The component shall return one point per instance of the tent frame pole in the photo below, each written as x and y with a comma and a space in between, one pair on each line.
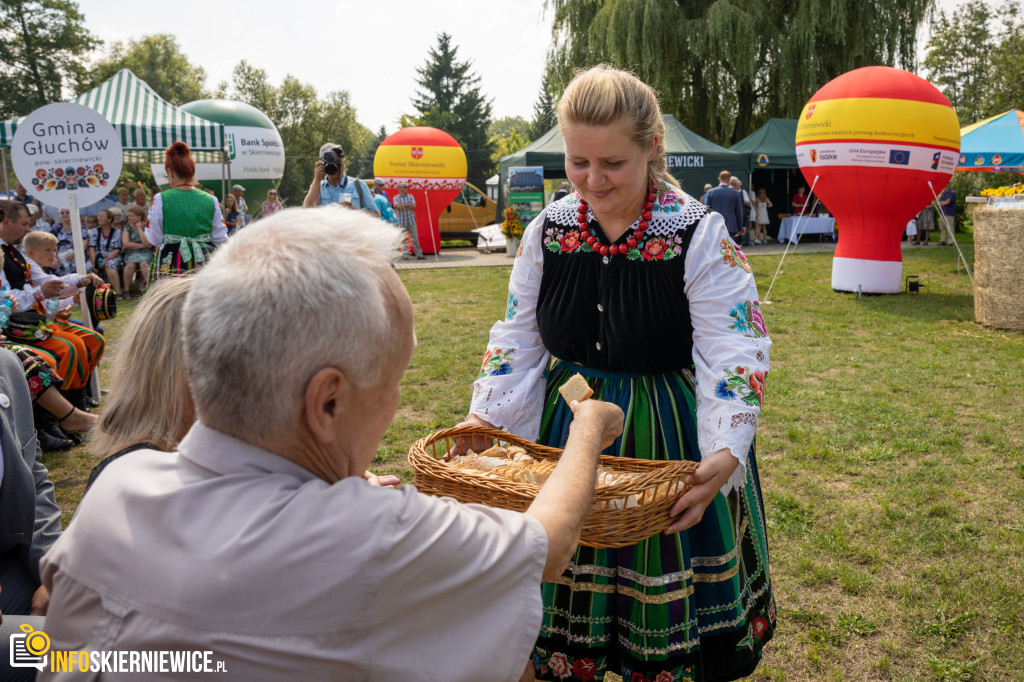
7, 180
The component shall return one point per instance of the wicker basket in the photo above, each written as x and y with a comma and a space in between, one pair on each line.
999, 267
605, 526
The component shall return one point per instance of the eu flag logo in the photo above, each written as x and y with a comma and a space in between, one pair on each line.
899, 157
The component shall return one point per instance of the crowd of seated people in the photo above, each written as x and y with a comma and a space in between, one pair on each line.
251, 489
57, 354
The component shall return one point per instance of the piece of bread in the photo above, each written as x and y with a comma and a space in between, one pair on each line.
575, 388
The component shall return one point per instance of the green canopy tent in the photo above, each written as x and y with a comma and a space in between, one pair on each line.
773, 145
771, 164
692, 160
147, 123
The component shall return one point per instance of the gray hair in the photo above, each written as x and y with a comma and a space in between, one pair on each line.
294, 293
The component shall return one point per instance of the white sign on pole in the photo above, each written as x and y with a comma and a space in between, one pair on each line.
66, 148
68, 156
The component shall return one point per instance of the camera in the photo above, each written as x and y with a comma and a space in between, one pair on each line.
332, 161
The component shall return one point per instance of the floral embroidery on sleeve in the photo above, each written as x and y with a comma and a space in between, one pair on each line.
748, 320
733, 256
510, 312
497, 362
743, 384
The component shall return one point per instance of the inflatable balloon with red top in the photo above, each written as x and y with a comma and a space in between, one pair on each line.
433, 164
876, 144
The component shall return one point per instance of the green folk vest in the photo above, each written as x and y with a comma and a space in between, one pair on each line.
188, 212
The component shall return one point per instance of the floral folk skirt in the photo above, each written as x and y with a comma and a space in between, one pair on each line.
168, 261
694, 606
39, 366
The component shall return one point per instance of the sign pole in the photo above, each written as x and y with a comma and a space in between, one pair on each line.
83, 296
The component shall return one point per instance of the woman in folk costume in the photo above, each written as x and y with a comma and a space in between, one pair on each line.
638, 287
76, 349
185, 223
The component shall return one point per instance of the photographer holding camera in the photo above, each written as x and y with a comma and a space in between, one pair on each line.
332, 186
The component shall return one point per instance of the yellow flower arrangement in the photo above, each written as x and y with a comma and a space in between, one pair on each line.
511, 227
1005, 191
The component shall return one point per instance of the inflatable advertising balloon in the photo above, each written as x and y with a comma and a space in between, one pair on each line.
255, 146
433, 164
875, 143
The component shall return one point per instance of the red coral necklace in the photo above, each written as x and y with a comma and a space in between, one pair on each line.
638, 233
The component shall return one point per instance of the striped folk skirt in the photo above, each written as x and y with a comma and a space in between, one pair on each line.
694, 606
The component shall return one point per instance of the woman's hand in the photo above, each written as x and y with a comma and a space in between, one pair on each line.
711, 475
382, 481
463, 444
64, 313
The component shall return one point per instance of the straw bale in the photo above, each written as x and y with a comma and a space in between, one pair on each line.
999, 267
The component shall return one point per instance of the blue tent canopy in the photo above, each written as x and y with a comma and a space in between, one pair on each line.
995, 144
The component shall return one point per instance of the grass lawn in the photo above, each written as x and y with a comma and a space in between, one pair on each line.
892, 454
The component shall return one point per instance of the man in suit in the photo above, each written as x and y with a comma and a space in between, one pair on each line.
727, 201
30, 516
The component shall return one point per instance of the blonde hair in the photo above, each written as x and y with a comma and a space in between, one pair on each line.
603, 95
149, 401
39, 240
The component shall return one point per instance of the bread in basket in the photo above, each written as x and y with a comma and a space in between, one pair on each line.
628, 509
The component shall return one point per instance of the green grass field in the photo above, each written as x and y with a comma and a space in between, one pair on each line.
892, 455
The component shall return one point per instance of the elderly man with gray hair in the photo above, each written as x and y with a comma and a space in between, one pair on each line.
264, 540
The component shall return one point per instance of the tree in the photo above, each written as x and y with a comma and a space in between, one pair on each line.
543, 109
362, 165
450, 99
957, 58
1007, 71
42, 45
975, 57
725, 67
304, 121
508, 135
157, 60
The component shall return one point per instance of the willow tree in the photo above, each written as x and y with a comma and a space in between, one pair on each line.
725, 67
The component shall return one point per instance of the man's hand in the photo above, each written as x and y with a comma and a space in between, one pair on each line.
318, 171
52, 288
382, 481
64, 313
40, 602
606, 416
92, 277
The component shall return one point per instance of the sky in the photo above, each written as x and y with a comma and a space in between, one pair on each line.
371, 49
